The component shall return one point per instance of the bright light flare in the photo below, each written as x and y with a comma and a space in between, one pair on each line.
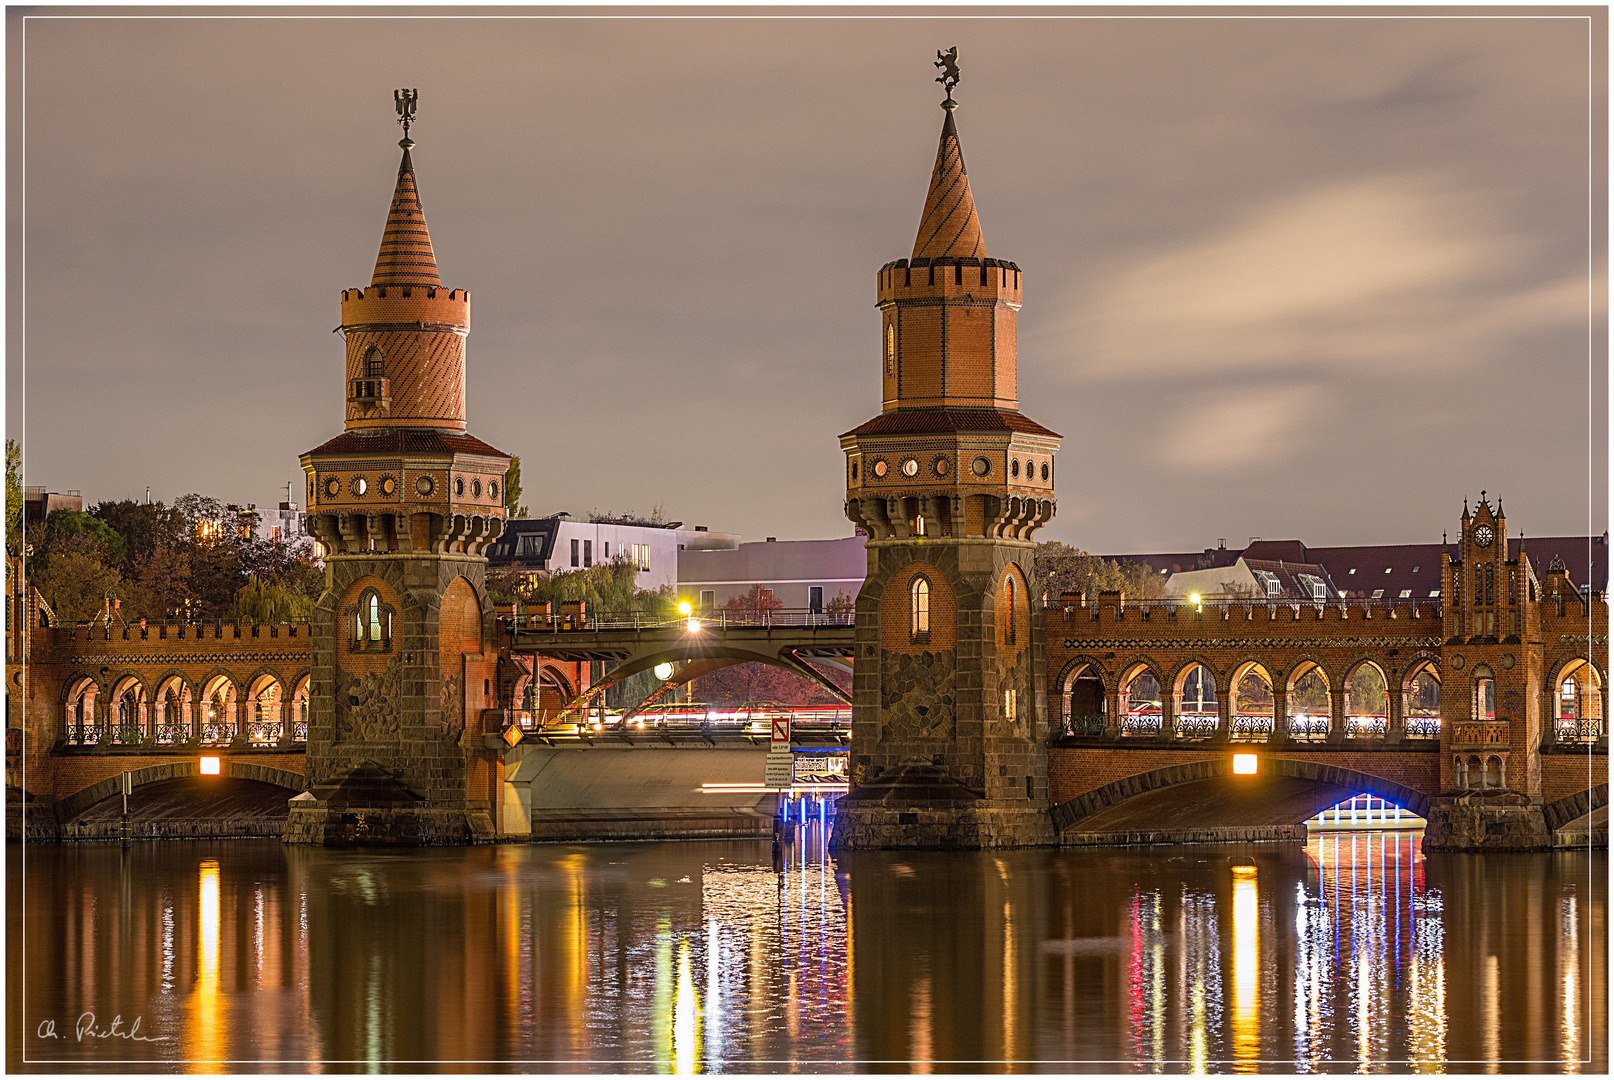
684, 608
663, 672
1193, 598
1244, 764
209, 766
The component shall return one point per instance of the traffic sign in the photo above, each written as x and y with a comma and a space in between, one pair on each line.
781, 731
779, 771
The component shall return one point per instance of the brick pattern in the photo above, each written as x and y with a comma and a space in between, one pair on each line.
949, 226
896, 614
406, 256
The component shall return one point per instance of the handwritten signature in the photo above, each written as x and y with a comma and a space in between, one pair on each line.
84, 1028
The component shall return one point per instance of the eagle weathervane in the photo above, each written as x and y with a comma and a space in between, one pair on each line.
948, 62
405, 100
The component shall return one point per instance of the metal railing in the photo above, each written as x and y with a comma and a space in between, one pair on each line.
649, 620
262, 731
1367, 727
1575, 729
1252, 727
1082, 725
259, 734
1181, 604
1423, 727
1310, 728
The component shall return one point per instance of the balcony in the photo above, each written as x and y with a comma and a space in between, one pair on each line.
1480, 735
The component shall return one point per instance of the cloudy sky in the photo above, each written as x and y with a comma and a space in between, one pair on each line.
1285, 276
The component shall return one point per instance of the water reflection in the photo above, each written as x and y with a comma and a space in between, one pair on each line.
1350, 952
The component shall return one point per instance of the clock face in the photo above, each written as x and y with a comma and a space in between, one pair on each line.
1483, 536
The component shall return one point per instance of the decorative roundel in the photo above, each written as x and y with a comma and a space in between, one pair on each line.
941, 466
388, 485
1014, 468
880, 468
333, 486
476, 489
360, 486
1045, 472
1508, 661
424, 485
459, 485
980, 466
493, 489
1484, 535
910, 467
1457, 662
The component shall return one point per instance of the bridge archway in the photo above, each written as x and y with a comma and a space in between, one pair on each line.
1575, 699
1081, 696
129, 705
1286, 792
1309, 695
1367, 700
1250, 700
75, 804
711, 656
1420, 699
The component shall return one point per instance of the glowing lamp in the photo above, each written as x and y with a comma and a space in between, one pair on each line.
663, 672
684, 609
1243, 764
1193, 598
693, 624
209, 766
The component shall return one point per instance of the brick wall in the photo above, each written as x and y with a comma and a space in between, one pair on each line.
1566, 774
896, 616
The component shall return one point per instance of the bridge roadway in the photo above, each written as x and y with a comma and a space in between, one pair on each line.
785, 639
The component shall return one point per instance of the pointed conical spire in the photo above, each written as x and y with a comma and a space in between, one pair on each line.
949, 226
406, 256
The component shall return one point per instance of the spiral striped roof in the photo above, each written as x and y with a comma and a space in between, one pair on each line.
406, 256
949, 226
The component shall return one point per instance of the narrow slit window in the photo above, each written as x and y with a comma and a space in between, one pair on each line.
919, 597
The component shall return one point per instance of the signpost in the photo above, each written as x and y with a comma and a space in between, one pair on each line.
779, 771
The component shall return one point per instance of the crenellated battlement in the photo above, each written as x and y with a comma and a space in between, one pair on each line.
426, 307
947, 277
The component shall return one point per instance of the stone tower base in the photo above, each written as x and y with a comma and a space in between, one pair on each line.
917, 805
1485, 821
371, 808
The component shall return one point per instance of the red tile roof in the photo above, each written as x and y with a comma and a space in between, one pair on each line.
409, 441
927, 421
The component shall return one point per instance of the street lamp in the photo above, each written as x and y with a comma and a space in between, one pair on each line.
664, 672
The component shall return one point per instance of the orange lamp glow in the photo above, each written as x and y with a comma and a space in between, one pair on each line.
1244, 764
209, 766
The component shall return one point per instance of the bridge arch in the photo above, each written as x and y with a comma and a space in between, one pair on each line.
1082, 690
703, 651
1562, 811
1073, 811
81, 800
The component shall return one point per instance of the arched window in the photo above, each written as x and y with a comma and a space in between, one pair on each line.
890, 350
919, 606
1493, 772
1490, 585
1008, 594
372, 364
372, 623
1484, 694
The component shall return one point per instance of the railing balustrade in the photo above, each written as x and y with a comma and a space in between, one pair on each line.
1197, 725
265, 731
299, 731
169, 734
1575, 729
128, 735
1310, 728
1367, 727
1252, 727
214, 734
1084, 724
1423, 727
1141, 725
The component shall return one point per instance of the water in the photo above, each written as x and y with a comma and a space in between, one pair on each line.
1353, 953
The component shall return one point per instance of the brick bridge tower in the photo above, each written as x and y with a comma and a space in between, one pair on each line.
1491, 723
404, 501
950, 481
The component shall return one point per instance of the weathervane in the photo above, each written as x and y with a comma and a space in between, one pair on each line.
948, 62
406, 100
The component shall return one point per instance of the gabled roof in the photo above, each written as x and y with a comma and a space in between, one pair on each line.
949, 226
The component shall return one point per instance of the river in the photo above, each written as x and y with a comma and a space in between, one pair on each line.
1350, 953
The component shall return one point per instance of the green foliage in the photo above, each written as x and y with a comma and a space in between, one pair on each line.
1061, 569
13, 497
74, 579
72, 530
260, 601
512, 489
611, 586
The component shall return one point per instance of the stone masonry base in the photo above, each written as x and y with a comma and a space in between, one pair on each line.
1503, 821
982, 825
328, 826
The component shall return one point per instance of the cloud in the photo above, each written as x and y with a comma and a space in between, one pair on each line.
1368, 273
1229, 428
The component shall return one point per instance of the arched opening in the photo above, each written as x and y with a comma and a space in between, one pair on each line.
1420, 698
174, 708
1009, 611
1252, 703
1364, 812
1474, 772
1493, 772
1578, 700
372, 623
299, 711
1459, 771
1367, 702
1483, 705
129, 711
919, 608
219, 721
1194, 698
265, 722
1140, 702
1310, 703
1083, 700
81, 725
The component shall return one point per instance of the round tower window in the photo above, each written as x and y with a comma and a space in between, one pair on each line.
880, 468
910, 467
1045, 471
493, 489
424, 485
459, 485
333, 487
388, 485
980, 466
476, 489
941, 466
1014, 468
360, 487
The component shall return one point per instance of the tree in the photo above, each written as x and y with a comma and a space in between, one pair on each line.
74, 572
70, 530
746, 684
512, 489
1059, 568
13, 497
753, 606
260, 601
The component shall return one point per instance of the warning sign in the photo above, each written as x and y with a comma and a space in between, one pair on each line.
779, 770
781, 731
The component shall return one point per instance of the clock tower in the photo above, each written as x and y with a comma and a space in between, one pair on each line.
950, 482
1491, 724
403, 503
